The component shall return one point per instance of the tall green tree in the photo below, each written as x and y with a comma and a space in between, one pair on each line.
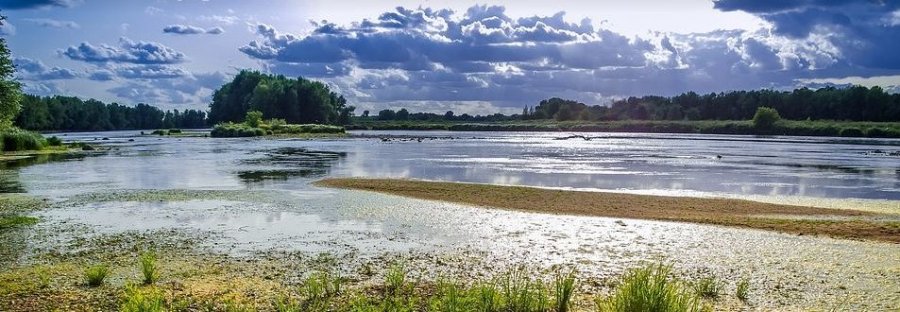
10, 90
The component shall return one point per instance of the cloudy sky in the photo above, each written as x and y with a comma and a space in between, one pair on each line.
435, 55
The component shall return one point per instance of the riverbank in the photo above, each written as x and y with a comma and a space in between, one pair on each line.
783, 127
838, 223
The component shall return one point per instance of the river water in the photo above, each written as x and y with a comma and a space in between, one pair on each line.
277, 209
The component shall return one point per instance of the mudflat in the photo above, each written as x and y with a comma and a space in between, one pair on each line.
801, 220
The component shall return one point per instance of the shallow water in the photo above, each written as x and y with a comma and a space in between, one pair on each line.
367, 225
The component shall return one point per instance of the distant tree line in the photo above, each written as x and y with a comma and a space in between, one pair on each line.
65, 113
855, 103
297, 101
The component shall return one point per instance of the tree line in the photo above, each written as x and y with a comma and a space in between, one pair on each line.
857, 103
66, 113
297, 101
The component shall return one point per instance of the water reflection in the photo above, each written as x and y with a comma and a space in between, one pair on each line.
286, 163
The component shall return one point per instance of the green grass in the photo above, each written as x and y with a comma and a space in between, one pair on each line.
15, 139
743, 290
650, 288
233, 130
96, 274
564, 286
148, 268
708, 287
140, 300
12, 221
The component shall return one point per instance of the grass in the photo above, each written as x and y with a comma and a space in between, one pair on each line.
149, 268
143, 300
718, 211
707, 287
650, 288
564, 287
12, 221
15, 139
96, 274
743, 290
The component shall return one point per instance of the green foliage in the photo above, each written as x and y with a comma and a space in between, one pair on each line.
54, 141
138, 300
96, 274
564, 289
707, 287
650, 289
765, 118
148, 267
15, 139
235, 130
851, 132
160, 132
743, 290
253, 118
174, 131
62, 113
11, 221
10, 90
298, 101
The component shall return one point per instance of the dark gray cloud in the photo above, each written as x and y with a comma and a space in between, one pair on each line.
191, 30
34, 4
128, 51
483, 55
102, 75
865, 31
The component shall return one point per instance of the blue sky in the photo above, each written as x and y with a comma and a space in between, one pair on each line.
438, 55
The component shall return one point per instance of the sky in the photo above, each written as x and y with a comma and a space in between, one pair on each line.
470, 57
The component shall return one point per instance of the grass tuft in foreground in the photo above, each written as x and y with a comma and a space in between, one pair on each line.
651, 289
96, 274
149, 268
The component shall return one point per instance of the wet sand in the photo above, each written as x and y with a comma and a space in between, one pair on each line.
838, 223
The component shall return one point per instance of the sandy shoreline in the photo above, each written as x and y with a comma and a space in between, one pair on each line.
801, 220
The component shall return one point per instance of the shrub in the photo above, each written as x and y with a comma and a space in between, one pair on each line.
159, 132
253, 118
174, 131
141, 301
650, 289
851, 132
15, 139
95, 275
148, 267
233, 130
765, 118
54, 141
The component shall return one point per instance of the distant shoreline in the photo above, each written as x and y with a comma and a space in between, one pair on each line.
800, 220
736, 127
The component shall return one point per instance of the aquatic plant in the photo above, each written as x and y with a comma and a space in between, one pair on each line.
138, 300
649, 288
96, 274
54, 141
743, 289
148, 267
15, 139
564, 287
11, 221
707, 287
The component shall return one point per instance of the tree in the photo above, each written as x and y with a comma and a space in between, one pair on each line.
387, 114
10, 90
448, 115
402, 114
765, 118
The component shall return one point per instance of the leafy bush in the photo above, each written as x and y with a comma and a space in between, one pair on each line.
15, 139
159, 132
253, 119
233, 130
851, 132
95, 275
54, 141
765, 118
